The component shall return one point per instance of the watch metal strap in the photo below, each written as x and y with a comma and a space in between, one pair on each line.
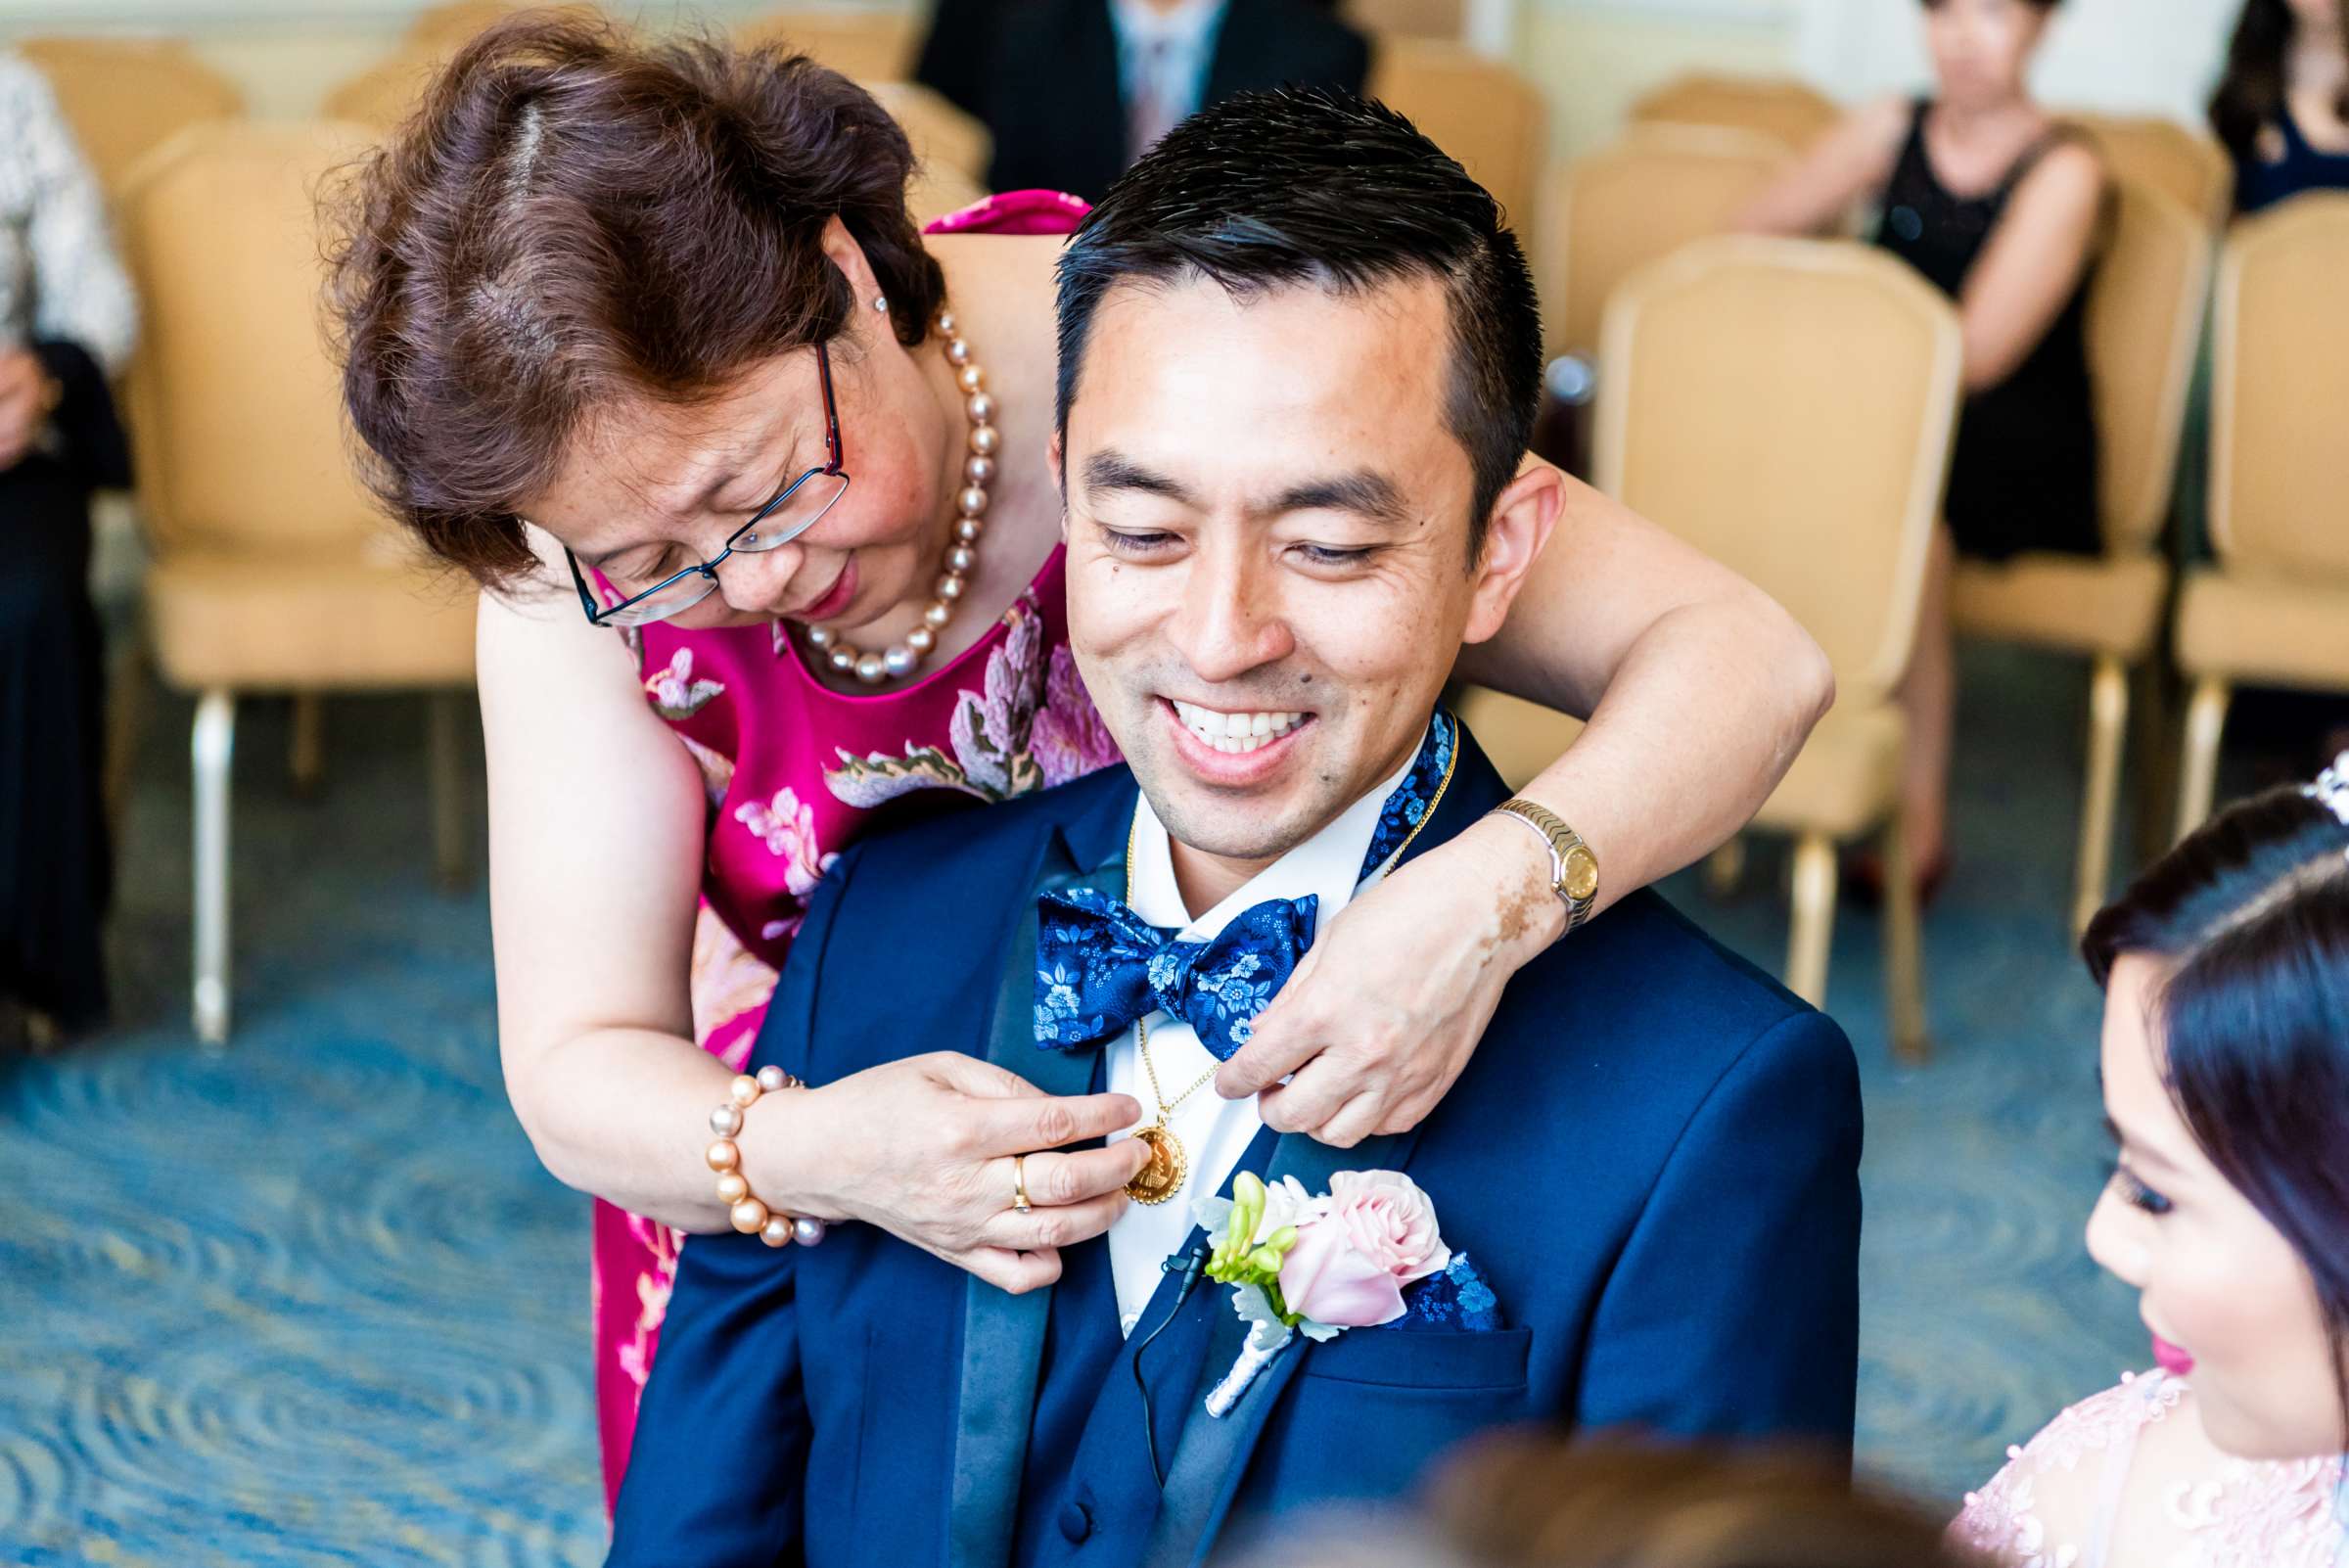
1574, 869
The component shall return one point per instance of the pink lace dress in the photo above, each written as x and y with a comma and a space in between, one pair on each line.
2095, 1490
792, 769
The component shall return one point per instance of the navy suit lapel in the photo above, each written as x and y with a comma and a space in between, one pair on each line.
1003, 1335
1212, 1458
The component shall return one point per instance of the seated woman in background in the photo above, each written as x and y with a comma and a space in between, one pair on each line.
2225, 1067
2281, 110
2000, 208
65, 324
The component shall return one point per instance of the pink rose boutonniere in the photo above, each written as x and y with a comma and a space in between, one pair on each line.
1299, 1263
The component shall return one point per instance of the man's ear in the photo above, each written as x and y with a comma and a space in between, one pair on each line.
1523, 517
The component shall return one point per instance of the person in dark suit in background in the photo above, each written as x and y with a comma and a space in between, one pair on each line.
1073, 91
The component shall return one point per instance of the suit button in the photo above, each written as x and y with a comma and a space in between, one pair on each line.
1077, 1523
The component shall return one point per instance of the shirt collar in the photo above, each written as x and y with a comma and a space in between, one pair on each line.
1327, 865
1185, 26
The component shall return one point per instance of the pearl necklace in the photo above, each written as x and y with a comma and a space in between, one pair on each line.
903, 659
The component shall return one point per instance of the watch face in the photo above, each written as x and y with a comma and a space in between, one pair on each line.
1581, 880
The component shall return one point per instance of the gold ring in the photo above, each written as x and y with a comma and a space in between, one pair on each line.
1019, 1183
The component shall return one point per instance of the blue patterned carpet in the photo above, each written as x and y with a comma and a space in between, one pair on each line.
312, 1301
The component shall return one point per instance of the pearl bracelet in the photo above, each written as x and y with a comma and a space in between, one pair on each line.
747, 1214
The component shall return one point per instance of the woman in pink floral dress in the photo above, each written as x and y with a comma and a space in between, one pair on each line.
2226, 1068
793, 564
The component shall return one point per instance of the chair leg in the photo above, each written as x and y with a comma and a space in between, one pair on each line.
2154, 708
1814, 924
125, 713
308, 762
2199, 766
444, 718
2107, 722
1725, 868
1904, 959
211, 746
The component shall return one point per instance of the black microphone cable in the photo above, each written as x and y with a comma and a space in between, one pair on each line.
1191, 1263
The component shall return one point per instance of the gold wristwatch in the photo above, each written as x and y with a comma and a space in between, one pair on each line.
1573, 869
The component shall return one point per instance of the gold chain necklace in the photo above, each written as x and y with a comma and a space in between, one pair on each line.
1170, 1161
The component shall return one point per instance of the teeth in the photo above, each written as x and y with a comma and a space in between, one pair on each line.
1236, 733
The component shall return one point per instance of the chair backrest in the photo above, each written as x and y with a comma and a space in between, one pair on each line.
381, 96
1769, 105
444, 29
868, 45
2279, 466
2144, 328
2182, 163
1787, 406
234, 398
1479, 111
1615, 211
1409, 19
126, 97
944, 137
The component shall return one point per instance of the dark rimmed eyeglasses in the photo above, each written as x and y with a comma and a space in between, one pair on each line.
796, 508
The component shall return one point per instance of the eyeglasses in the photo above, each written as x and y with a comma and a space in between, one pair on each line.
796, 508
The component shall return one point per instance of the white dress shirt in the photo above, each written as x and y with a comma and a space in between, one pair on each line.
1215, 1131
1164, 55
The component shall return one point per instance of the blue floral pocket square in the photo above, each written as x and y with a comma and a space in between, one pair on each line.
1456, 1301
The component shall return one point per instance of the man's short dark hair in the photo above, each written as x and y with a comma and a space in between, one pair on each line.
1272, 190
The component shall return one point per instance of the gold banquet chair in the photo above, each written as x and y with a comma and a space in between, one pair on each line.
2273, 608
1788, 407
384, 95
2180, 161
953, 147
1408, 19
2144, 326
126, 97
1481, 111
444, 29
868, 45
1616, 211
1785, 111
271, 571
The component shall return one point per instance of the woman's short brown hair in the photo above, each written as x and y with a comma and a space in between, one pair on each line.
573, 218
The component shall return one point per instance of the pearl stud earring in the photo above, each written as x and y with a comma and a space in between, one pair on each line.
882, 304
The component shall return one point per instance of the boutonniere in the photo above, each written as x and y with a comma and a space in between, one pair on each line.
1316, 1266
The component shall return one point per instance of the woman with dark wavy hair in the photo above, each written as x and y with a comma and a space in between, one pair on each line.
2282, 109
2226, 1065
790, 561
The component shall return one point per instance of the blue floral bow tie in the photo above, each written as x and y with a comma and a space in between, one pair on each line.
1099, 966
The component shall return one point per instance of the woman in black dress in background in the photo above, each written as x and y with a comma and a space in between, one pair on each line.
65, 324
2001, 209
2281, 107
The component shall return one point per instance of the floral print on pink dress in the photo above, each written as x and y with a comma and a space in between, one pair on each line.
675, 694
1030, 725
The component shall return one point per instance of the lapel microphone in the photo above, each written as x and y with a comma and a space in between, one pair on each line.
1191, 1265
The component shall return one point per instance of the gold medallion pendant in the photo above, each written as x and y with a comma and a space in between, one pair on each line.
1163, 1176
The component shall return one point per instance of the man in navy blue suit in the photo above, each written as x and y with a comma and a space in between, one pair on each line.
1299, 358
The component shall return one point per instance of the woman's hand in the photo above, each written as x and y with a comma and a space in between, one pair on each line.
1386, 1009
27, 396
924, 1149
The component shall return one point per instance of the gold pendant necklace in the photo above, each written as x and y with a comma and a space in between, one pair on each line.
1170, 1161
